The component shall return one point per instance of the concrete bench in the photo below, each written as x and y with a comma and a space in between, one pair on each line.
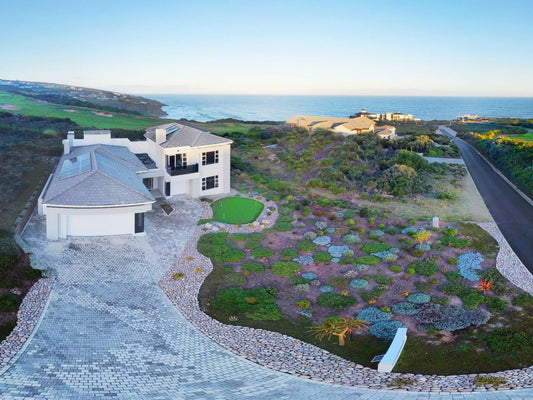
390, 358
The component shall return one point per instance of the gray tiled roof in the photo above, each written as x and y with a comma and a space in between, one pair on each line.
180, 135
112, 179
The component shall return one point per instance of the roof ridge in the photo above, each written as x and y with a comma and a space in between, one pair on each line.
123, 184
89, 173
114, 155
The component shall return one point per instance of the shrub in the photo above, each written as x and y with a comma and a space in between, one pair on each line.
373, 315
262, 252
440, 300
391, 230
425, 267
178, 275
404, 308
453, 276
285, 268
321, 225
309, 236
455, 242
375, 247
303, 304
489, 380
257, 236
491, 274
507, 341
372, 294
30, 273
416, 252
234, 279
462, 321
306, 245
288, 254
452, 261
351, 239
302, 287
364, 212
349, 214
472, 299
335, 301
418, 298
9, 252
449, 231
495, 304
9, 302
383, 279
283, 226
410, 271
358, 283
339, 282
214, 238
239, 237
385, 330
395, 268
322, 257
454, 289
240, 301
232, 256
524, 300
368, 260
253, 267
252, 244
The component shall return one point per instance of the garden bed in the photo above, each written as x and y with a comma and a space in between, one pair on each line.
320, 262
236, 210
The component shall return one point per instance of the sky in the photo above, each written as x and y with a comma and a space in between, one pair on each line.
378, 47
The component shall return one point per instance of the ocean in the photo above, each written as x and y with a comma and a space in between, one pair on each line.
204, 108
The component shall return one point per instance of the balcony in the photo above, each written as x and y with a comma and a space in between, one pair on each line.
189, 169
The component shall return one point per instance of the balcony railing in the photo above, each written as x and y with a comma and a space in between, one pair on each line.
189, 169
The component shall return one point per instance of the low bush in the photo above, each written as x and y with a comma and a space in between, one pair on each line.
288, 254
306, 245
373, 315
285, 268
9, 302
351, 239
232, 256
9, 252
449, 231
372, 294
252, 244
454, 289
238, 301
303, 304
383, 279
494, 381
385, 330
453, 276
339, 282
368, 260
405, 308
335, 301
30, 274
452, 261
257, 236
455, 242
239, 237
253, 267
322, 257
262, 252
507, 341
283, 226
395, 268
491, 274
375, 247
234, 279
495, 304
419, 298
425, 267
472, 299
523, 300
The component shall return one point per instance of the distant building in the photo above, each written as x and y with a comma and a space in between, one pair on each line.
386, 131
388, 116
339, 125
469, 117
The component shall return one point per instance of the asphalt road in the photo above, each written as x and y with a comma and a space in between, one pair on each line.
510, 211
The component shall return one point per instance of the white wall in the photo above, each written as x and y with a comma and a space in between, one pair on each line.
99, 221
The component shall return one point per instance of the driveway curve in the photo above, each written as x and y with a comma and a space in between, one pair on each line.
110, 332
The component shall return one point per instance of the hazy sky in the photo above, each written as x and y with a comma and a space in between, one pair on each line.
395, 47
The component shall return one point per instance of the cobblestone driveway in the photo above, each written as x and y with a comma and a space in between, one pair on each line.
110, 332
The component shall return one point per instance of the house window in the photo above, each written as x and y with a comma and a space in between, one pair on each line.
210, 182
178, 161
210, 157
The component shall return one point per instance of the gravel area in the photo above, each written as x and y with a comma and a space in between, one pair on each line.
292, 356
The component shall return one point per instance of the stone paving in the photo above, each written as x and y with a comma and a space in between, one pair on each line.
110, 331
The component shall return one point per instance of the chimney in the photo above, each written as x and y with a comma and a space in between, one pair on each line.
69, 143
160, 136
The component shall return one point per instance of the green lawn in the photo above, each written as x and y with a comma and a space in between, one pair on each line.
236, 210
528, 137
84, 117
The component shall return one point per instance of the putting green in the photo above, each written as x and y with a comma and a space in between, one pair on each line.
236, 210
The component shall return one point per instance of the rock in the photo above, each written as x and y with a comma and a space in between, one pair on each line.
435, 222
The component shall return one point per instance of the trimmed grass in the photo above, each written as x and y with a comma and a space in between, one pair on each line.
84, 117
236, 210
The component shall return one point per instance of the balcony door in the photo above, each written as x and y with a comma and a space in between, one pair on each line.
177, 161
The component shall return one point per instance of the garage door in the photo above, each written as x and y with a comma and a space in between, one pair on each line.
100, 225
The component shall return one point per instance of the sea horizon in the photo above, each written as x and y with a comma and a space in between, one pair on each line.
279, 107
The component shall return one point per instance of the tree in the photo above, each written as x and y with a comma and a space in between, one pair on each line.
422, 237
336, 326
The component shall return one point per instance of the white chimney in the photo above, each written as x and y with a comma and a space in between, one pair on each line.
69, 143
160, 135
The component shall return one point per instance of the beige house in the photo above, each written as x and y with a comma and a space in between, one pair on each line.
345, 126
386, 131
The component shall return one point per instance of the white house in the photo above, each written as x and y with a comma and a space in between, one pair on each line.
103, 185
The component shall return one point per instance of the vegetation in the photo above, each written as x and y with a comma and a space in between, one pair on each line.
236, 210
340, 327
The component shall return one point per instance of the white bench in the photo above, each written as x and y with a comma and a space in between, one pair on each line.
390, 358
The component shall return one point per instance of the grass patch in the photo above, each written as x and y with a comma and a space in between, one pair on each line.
236, 210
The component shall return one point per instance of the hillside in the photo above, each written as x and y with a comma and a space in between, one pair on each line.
84, 97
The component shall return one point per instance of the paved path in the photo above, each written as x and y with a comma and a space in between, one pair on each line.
110, 332
510, 211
